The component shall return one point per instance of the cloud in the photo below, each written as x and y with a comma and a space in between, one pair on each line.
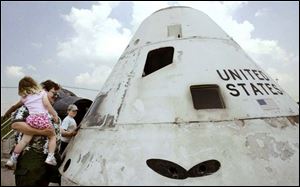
261, 12
15, 71
96, 78
98, 38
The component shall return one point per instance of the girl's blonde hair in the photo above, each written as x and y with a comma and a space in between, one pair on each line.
28, 86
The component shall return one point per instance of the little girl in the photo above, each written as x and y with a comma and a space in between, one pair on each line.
36, 100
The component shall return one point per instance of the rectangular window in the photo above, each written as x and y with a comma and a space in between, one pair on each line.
206, 96
157, 59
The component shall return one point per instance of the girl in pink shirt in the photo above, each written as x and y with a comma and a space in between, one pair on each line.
36, 100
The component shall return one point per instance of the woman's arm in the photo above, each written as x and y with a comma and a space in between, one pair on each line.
12, 109
26, 129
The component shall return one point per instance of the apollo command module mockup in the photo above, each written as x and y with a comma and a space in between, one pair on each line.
185, 105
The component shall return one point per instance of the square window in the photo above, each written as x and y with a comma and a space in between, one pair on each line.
206, 97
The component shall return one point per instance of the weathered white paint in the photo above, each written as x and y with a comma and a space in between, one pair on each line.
134, 119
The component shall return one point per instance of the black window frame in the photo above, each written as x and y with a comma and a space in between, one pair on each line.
207, 96
158, 59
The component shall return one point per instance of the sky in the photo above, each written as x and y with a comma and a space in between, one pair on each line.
77, 43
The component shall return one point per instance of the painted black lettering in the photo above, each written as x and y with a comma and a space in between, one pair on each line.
255, 89
279, 91
264, 75
243, 74
234, 74
261, 85
248, 70
270, 88
227, 77
257, 74
234, 92
243, 86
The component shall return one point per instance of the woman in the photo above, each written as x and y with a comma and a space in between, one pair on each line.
31, 168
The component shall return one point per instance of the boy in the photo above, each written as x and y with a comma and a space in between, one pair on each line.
68, 127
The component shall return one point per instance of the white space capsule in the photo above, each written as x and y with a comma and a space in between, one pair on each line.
185, 105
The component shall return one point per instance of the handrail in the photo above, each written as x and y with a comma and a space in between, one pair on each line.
5, 122
7, 134
6, 128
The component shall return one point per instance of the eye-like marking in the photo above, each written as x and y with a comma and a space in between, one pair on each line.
204, 168
167, 168
172, 170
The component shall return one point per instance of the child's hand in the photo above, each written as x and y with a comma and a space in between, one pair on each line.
56, 120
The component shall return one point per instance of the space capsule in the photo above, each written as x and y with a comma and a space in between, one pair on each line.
185, 105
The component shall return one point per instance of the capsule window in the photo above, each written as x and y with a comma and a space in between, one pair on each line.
206, 96
157, 59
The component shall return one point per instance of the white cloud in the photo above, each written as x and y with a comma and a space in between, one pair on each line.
261, 12
15, 71
98, 38
96, 78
